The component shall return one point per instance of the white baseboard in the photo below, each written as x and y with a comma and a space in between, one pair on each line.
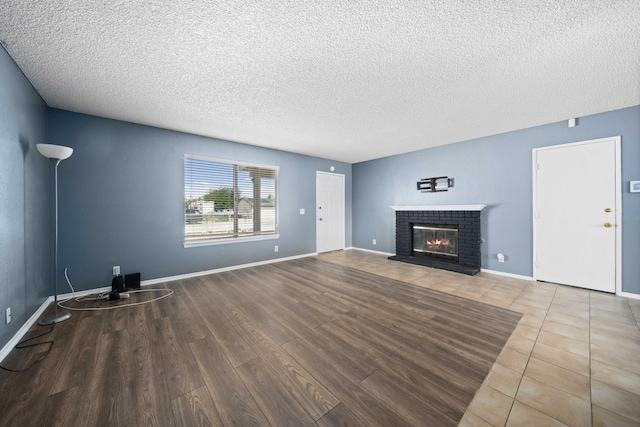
628, 295
502, 273
84, 293
516, 276
24, 329
183, 276
372, 251
220, 270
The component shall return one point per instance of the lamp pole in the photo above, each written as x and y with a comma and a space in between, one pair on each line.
55, 156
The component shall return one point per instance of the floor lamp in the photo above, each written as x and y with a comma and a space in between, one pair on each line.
56, 153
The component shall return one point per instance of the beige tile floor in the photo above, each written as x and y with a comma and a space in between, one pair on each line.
573, 359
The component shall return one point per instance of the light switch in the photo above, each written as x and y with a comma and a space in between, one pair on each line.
301, 211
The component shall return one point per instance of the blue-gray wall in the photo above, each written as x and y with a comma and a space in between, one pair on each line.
122, 200
495, 171
25, 252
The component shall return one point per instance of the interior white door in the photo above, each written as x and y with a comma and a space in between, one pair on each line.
575, 214
329, 211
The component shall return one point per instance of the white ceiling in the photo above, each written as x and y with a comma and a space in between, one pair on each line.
348, 80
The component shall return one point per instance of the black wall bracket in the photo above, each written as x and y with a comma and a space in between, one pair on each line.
432, 185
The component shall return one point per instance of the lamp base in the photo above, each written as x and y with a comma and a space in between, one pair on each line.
54, 318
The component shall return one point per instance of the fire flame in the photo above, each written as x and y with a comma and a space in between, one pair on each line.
438, 243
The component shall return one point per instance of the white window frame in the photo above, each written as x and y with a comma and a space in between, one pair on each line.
223, 240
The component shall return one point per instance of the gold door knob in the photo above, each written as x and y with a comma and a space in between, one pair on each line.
607, 210
607, 224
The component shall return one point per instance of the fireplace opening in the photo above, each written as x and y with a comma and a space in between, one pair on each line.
435, 240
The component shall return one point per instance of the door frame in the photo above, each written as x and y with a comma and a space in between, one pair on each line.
342, 214
618, 197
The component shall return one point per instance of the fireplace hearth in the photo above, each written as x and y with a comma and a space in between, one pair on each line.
446, 237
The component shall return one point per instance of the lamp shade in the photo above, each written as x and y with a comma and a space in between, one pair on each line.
55, 151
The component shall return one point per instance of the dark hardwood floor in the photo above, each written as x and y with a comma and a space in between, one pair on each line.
297, 343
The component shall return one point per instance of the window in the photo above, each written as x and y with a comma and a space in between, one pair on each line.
226, 201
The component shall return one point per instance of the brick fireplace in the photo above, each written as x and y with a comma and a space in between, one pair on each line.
439, 236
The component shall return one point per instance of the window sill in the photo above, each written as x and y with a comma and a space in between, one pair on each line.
228, 240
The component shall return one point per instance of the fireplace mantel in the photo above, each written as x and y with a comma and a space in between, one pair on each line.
440, 208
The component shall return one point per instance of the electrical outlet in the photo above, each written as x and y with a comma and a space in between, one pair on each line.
275, 248
116, 270
374, 241
8, 315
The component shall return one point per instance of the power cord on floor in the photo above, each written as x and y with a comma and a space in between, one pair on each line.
102, 296
105, 296
23, 344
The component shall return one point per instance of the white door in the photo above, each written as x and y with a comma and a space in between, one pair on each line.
329, 211
577, 214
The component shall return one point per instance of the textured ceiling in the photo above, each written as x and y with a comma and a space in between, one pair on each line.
346, 80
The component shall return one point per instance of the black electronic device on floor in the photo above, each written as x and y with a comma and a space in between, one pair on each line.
132, 281
117, 284
121, 284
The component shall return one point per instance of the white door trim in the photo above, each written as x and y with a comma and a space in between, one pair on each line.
618, 196
342, 215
